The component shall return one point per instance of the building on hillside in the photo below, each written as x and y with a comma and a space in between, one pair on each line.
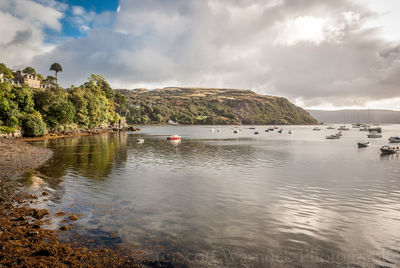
30, 79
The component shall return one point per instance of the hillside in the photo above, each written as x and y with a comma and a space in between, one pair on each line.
356, 116
210, 106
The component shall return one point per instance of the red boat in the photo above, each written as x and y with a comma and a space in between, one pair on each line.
174, 138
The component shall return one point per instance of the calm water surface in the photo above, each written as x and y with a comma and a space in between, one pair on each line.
220, 199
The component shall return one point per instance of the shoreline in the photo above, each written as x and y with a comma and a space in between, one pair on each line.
23, 240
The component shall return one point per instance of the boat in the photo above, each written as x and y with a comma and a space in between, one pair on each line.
140, 140
236, 131
389, 149
256, 133
339, 134
280, 131
276, 127
212, 130
394, 139
317, 129
376, 129
364, 128
174, 138
374, 134
170, 122
290, 131
356, 125
252, 127
330, 127
271, 129
267, 130
343, 128
333, 137
363, 144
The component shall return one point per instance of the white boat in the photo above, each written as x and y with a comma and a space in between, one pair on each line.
343, 128
364, 128
389, 149
374, 134
356, 125
363, 144
339, 134
330, 127
290, 131
394, 139
170, 122
317, 129
140, 140
212, 130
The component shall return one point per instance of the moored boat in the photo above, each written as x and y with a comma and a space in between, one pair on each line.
174, 138
375, 129
374, 134
363, 144
389, 149
290, 131
280, 131
317, 129
256, 133
343, 128
333, 137
140, 140
394, 139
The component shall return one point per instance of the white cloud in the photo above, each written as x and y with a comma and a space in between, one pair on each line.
311, 51
22, 24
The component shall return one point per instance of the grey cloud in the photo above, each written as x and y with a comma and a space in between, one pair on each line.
223, 43
21, 38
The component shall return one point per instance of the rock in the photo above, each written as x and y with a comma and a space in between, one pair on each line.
73, 217
32, 233
66, 228
43, 252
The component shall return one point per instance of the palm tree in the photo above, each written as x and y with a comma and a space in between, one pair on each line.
56, 67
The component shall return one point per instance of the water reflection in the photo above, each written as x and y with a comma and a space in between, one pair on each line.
232, 201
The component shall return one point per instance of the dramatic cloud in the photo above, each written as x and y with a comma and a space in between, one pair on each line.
314, 52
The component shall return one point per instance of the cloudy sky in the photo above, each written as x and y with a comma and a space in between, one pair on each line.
318, 53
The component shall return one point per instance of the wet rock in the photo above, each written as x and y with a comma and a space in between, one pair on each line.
36, 226
32, 233
73, 217
66, 228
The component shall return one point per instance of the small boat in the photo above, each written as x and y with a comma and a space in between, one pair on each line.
394, 139
389, 149
330, 127
356, 125
363, 144
140, 140
174, 138
212, 130
343, 128
280, 131
333, 137
375, 129
256, 133
236, 131
218, 130
290, 131
374, 134
252, 127
364, 128
267, 130
271, 129
276, 127
170, 122
317, 129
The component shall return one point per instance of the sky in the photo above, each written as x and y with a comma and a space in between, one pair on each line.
320, 54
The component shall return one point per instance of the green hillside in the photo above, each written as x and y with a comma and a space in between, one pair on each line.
210, 106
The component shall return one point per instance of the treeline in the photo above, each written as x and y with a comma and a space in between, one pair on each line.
54, 109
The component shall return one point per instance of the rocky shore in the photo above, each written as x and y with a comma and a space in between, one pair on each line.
23, 241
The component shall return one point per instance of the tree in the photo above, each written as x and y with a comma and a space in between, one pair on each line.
7, 74
29, 70
56, 67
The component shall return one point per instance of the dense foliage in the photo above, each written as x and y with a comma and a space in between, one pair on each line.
211, 106
35, 111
